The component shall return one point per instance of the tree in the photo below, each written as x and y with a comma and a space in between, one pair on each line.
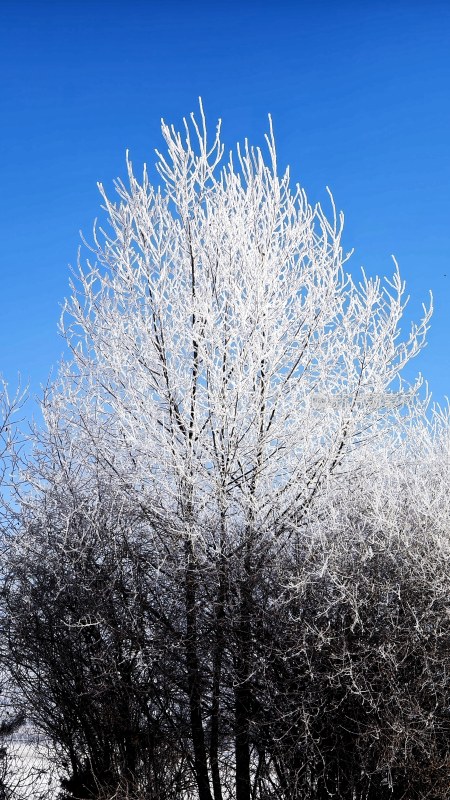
86, 651
353, 700
235, 384
349, 656
224, 362
10, 405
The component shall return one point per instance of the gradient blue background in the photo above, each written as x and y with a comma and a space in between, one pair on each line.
359, 94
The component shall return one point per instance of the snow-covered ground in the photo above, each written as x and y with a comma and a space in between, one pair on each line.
26, 768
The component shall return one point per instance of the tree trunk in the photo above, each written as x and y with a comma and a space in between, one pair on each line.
242, 692
217, 673
193, 679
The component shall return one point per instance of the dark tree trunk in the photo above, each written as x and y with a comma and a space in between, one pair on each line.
217, 673
242, 692
193, 679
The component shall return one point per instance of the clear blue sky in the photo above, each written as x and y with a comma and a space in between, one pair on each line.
360, 97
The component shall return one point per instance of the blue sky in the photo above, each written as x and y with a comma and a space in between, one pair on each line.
360, 98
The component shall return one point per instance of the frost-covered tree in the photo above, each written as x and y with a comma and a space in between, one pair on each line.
12, 717
347, 692
9, 406
353, 698
241, 390
224, 362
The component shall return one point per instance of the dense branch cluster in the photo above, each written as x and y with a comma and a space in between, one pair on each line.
229, 570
